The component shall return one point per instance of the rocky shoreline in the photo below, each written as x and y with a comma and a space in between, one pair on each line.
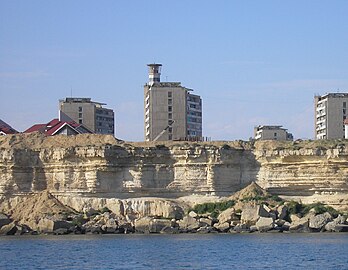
247, 211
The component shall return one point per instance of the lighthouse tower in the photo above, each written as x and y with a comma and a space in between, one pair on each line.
154, 73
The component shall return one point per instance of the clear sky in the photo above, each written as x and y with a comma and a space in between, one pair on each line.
253, 62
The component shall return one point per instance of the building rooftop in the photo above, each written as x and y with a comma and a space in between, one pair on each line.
270, 127
333, 95
6, 128
80, 100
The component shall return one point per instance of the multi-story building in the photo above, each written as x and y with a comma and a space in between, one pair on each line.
171, 111
330, 113
276, 133
89, 113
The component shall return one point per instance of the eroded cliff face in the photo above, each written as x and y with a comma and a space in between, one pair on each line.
100, 167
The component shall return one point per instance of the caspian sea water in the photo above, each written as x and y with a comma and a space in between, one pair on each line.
182, 251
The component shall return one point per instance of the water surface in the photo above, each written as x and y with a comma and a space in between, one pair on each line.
183, 251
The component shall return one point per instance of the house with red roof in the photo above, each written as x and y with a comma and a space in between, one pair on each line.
58, 127
6, 129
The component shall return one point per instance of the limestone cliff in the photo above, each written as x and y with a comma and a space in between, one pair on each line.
98, 166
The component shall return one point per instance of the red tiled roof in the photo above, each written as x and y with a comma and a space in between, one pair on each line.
6, 128
52, 127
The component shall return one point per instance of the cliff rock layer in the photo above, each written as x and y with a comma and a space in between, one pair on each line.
101, 167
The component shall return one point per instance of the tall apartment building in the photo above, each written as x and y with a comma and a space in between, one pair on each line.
89, 113
330, 113
171, 111
277, 133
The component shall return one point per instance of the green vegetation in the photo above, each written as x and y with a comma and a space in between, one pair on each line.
261, 198
303, 209
213, 208
104, 209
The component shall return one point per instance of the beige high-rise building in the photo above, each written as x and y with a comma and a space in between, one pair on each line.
171, 112
330, 113
89, 113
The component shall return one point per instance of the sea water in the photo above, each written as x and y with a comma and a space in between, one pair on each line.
182, 251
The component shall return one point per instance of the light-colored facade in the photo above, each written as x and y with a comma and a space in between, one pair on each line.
171, 112
330, 113
276, 133
89, 113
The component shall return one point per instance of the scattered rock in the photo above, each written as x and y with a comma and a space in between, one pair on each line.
317, 222
330, 226
4, 220
264, 224
156, 225
189, 223
250, 214
206, 222
228, 215
193, 214
282, 211
170, 230
222, 227
142, 225
9, 229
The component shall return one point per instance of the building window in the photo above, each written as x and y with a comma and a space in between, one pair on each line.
80, 115
80, 109
170, 115
275, 134
170, 137
170, 108
170, 130
170, 101
169, 94
344, 104
80, 121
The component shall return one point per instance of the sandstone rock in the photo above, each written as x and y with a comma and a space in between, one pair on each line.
222, 227
206, 221
193, 214
250, 214
294, 218
319, 221
205, 229
156, 225
253, 228
264, 224
4, 220
282, 211
49, 225
189, 223
60, 231
301, 225
241, 228
330, 226
142, 225
341, 228
170, 230
228, 215
9, 229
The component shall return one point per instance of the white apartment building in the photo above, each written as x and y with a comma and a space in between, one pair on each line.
276, 133
330, 114
171, 111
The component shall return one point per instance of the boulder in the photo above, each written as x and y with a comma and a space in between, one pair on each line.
9, 229
264, 224
330, 226
4, 220
250, 214
193, 214
170, 230
228, 215
60, 231
341, 228
156, 225
142, 225
317, 222
206, 221
189, 223
222, 227
241, 228
206, 229
282, 211
300, 224
49, 225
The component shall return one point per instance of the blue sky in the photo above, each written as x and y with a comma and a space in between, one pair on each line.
253, 62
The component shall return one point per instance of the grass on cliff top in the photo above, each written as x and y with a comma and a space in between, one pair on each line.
301, 144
